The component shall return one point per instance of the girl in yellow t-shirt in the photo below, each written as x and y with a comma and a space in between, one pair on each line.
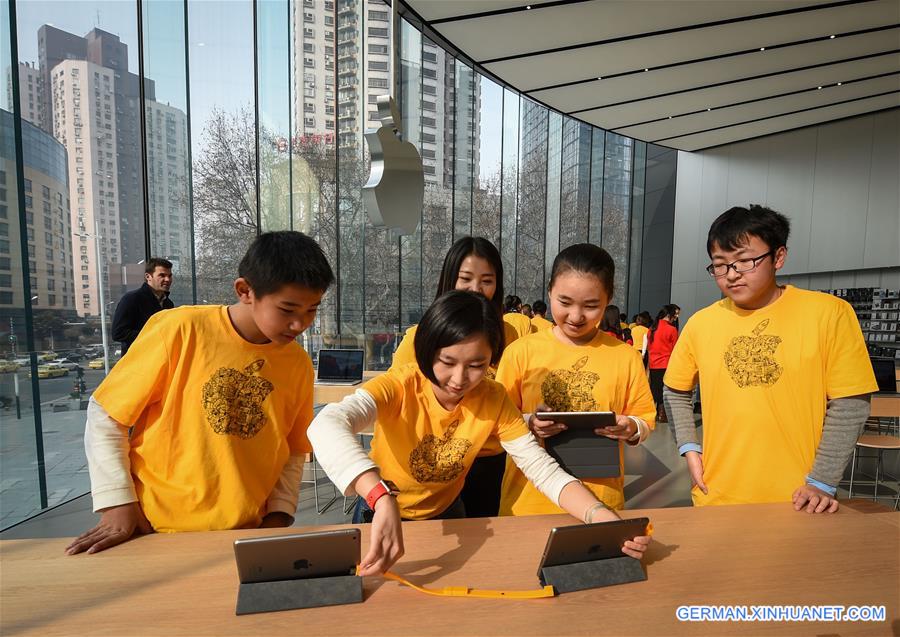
575, 366
433, 417
473, 264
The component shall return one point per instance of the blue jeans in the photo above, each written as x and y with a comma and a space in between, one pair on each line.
362, 514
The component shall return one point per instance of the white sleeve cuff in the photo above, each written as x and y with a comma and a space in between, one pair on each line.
106, 447
643, 431
287, 490
333, 437
537, 465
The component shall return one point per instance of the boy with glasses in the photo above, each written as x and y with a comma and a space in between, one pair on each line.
784, 373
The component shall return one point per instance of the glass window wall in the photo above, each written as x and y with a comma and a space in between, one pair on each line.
208, 122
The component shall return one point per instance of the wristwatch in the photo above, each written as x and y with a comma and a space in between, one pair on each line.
383, 487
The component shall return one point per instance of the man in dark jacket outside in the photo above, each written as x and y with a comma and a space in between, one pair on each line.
136, 307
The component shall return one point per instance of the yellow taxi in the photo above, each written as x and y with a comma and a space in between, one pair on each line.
51, 371
96, 363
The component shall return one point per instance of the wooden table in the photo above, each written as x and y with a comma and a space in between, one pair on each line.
186, 584
324, 394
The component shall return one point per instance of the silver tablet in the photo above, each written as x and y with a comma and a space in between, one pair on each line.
299, 556
589, 542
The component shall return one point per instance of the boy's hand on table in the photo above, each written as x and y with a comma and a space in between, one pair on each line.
814, 500
276, 519
695, 467
386, 540
117, 524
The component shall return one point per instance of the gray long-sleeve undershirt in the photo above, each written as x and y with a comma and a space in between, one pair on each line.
844, 420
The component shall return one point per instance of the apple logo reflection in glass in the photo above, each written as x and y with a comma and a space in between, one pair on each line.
439, 459
750, 360
395, 191
232, 400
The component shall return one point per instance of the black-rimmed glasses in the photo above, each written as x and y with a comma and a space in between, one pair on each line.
741, 265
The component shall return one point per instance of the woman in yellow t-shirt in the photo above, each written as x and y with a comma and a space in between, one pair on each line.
639, 332
433, 417
472, 264
576, 367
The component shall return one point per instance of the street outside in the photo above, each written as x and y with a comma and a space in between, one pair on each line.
62, 424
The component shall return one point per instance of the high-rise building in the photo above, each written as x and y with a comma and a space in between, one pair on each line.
108, 51
83, 105
167, 178
31, 92
363, 73
47, 222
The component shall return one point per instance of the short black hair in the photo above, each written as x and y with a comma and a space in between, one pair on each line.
586, 258
539, 307
156, 262
452, 318
512, 303
465, 247
286, 257
735, 226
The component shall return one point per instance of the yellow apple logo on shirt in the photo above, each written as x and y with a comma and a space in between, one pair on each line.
570, 389
439, 459
750, 360
232, 400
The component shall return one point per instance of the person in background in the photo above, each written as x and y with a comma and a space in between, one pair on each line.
527, 311
137, 306
612, 325
512, 316
433, 417
539, 320
623, 321
660, 342
785, 375
640, 331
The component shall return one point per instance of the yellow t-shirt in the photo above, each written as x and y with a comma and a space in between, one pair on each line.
425, 449
406, 354
765, 377
539, 323
520, 323
638, 334
215, 418
604, 375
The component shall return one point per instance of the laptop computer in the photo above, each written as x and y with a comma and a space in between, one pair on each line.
340, 366
885, 375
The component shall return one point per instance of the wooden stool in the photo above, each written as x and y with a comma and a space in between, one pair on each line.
879, 443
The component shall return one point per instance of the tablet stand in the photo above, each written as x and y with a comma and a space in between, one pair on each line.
265, 597
566, 578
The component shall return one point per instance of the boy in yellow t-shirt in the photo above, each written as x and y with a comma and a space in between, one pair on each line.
539, 320
784, 375
219, 399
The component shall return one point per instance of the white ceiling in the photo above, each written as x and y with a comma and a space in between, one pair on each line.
688, 74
